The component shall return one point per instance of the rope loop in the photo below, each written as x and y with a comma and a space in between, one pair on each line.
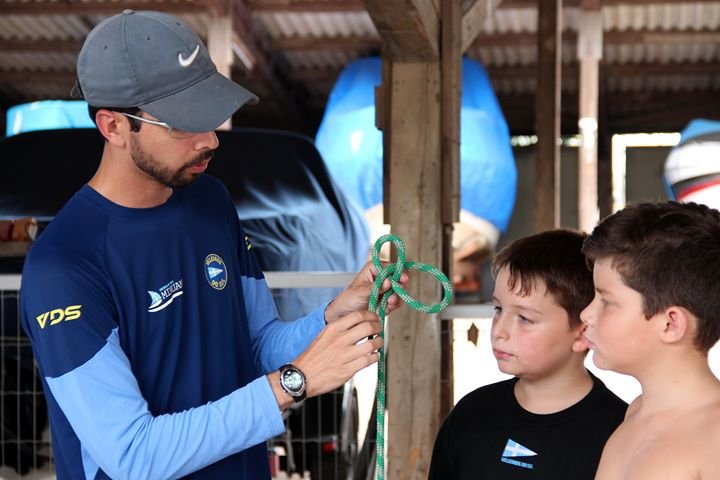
394, 272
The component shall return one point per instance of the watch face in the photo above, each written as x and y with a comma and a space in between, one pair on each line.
293, 380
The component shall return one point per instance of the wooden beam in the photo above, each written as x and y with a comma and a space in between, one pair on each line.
589, 53
665, 109
547, 118
612, 37
660, 117
409, 112
613, 71
40, 45
451, 88
603, 3
670, 37
329, 75
450, 91
251, 44
605, 197
356, 42
306, 6
298, 6
473, 20
569, 71
43, 77
652, 69
327, 43
219, 44
569, 38
412, 151
410, 29
649, 99
94, 7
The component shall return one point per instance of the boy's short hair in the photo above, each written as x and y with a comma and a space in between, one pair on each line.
669, 252
555, 257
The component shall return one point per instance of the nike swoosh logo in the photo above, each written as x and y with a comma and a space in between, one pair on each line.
186, 62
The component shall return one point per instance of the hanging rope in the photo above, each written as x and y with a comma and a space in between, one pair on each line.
394, 271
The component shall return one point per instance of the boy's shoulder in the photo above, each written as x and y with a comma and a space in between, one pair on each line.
487, 407
600, 399
681, 443
602, 396
488, 395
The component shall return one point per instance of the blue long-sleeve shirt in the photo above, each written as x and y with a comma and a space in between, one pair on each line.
153, 329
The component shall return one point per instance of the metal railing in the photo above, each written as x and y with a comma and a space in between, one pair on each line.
324, 437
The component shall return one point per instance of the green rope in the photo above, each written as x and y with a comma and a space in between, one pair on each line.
394, 271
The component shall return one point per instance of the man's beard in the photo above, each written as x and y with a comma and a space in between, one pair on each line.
173, 179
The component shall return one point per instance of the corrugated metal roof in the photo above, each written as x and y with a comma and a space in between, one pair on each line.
48, 27
318, 25
665, 16
321, 59
310, 47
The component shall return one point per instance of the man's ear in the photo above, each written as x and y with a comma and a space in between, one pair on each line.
580, 344
677, 323
111, 127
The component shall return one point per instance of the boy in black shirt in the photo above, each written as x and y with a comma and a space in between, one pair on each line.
552, 420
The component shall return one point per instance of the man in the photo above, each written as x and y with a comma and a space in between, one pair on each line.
154, 331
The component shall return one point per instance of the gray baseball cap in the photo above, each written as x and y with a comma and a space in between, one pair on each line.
154, 61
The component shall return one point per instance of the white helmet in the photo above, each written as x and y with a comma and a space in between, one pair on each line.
692, 170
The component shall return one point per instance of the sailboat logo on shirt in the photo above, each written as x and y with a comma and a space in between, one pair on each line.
165, 295
513, 450
215, 271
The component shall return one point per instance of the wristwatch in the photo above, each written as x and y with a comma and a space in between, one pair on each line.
292, 380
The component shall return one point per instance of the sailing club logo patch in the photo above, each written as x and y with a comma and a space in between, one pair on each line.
164, 296
215, 271
517, 454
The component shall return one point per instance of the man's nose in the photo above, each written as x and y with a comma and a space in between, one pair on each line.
206, 140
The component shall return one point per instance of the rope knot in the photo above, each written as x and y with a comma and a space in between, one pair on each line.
394, 272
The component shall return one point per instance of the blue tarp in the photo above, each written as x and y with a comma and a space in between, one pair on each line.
352, 146
698, 128
47, 115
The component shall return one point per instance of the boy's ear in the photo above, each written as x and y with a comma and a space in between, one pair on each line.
580, 344
677, 324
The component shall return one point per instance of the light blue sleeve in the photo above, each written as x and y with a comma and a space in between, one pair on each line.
276, 342
126, 441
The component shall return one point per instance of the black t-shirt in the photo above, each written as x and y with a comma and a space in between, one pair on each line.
488, 435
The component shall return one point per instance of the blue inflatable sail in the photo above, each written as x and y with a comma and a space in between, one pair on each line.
47, 115
352, 146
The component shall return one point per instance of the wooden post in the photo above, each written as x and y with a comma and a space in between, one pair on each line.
413, 353
220, 33
589, 54
605, 196
547, 117
451, 89
418, 108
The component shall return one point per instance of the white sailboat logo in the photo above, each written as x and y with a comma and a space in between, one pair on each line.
155, 299
214, 272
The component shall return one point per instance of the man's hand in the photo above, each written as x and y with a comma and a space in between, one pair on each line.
356, 296
336, 354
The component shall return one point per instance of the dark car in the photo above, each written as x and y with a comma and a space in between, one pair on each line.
296, 217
